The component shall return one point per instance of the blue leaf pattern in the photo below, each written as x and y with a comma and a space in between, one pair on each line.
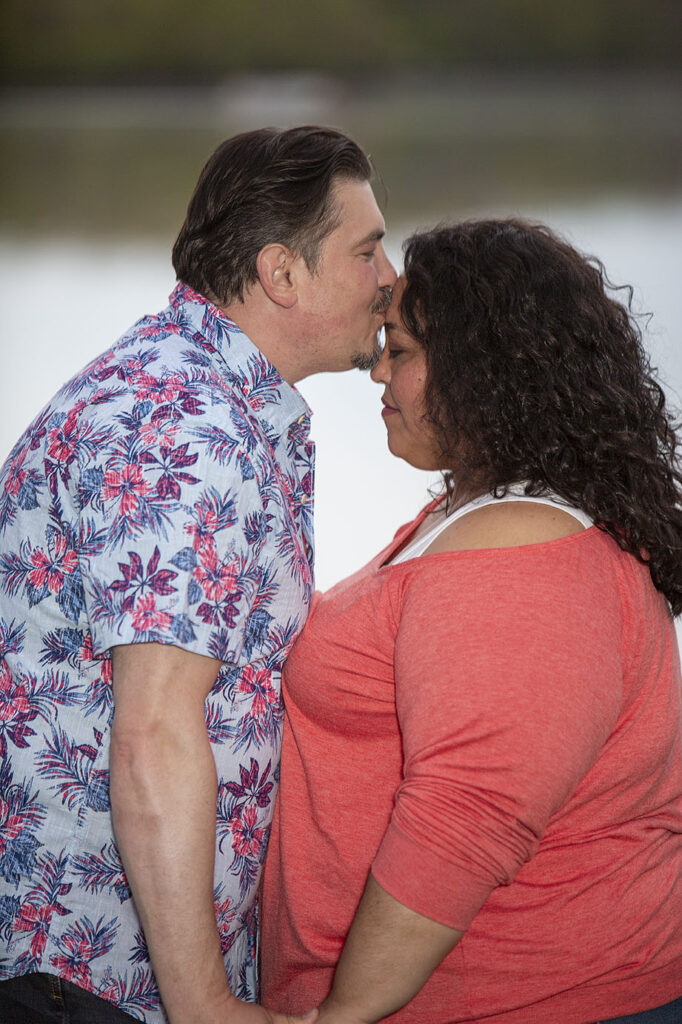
164, 494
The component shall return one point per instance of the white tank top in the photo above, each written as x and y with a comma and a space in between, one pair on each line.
514, 493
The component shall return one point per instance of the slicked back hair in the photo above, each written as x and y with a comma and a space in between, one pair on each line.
262, 187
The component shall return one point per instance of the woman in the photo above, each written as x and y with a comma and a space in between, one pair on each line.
483, 725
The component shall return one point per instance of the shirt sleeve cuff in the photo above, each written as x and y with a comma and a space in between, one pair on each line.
427, 883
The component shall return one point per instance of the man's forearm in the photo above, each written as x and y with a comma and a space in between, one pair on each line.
389, 954
163, 802
163, 795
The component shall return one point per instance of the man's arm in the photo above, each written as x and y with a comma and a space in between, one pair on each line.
163, 801
389, 954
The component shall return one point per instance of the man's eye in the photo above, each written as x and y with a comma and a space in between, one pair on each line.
369, 255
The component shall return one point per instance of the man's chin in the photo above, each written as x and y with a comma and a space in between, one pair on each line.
366, 360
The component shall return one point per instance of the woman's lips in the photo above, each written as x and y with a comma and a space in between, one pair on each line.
387, 410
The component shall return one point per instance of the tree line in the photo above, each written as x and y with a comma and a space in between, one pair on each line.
200, 41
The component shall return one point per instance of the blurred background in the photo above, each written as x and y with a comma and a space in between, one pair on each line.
570, 114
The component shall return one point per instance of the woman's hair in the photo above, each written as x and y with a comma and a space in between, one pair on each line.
536, 373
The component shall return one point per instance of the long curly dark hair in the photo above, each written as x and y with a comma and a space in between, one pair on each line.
536, 372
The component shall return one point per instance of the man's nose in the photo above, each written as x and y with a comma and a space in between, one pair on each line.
387, 274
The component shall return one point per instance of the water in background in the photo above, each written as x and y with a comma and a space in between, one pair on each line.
63, 301
97, 193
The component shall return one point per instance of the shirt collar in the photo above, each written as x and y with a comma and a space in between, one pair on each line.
274, 401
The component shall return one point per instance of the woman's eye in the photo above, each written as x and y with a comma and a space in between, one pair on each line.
393, 352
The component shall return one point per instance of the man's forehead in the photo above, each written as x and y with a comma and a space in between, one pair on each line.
358, 207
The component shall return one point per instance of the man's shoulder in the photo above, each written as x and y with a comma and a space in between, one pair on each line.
160, 368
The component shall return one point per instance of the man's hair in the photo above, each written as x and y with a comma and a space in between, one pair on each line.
260, 187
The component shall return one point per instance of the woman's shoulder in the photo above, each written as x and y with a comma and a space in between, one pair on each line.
507, 524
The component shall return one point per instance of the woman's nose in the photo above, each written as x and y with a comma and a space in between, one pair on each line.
381, 373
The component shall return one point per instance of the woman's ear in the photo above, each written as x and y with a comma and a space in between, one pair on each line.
276, 273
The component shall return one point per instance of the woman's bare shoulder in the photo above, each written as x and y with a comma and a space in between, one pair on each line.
506, 524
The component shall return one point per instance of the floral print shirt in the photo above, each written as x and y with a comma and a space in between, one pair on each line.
164, 495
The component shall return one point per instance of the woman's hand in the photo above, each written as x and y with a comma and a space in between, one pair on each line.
331, 1014
249, 1013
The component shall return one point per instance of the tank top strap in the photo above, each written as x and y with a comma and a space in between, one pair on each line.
515, 492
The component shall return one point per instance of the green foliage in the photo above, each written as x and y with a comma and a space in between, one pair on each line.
72, 41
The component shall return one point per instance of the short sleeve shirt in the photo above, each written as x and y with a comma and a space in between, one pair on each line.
164, 495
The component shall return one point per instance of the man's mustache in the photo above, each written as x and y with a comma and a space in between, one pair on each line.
383, 300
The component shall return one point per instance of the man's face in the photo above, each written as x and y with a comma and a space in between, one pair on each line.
342, 301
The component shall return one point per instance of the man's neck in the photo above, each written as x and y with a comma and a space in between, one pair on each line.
264, 329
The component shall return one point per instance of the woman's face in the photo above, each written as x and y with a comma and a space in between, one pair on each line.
402, 371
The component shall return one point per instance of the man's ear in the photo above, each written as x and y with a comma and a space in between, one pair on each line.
276, 267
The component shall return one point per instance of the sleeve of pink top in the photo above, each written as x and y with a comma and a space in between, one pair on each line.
508, 683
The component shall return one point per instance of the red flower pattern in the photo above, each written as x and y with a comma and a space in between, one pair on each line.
51, 569
14, 697
247, 836
203, 530
257, 683
218, 580
62, 440
147, 617
16, 475
159, 390
107, 535
129, 485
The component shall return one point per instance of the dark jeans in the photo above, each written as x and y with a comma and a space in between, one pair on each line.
46, 999
671, 1013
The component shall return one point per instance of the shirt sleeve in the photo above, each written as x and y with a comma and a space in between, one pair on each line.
170, 545
508, 683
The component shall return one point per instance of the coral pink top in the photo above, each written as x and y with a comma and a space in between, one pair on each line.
497, 735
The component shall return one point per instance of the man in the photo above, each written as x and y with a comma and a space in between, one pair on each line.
155, 569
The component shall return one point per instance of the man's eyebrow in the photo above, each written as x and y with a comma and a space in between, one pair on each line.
373, 236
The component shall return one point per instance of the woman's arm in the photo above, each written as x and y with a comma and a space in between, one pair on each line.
500, 719
389, 954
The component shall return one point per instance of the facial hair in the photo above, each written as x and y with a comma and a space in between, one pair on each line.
368, 360
383, 299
